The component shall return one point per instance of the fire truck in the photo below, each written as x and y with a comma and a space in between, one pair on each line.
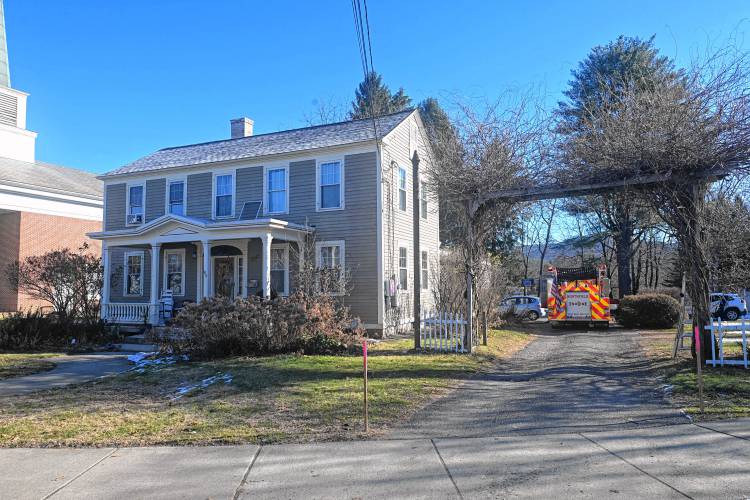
577, 295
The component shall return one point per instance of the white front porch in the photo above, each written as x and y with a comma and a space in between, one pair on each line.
193, 259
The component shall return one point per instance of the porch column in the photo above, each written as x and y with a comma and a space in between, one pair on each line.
106, 281
155, 254
245, 263
206, 268
266, 272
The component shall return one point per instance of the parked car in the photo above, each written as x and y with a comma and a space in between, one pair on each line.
735, 306
524, 306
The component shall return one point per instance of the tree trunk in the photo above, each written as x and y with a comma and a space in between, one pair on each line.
623, 250
691, 236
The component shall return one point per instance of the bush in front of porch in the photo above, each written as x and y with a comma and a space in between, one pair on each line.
219, 327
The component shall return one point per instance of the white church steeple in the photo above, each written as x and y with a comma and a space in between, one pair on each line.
15, 141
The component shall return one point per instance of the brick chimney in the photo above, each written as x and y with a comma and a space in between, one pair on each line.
241, 127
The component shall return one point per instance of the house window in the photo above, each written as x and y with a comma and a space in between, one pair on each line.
276, 190
330, 257
403, 270
280, 269
423, 199
135, 204
133, 273
330, 186
424, 265
224, 196
176, 197
174, 264
402, 189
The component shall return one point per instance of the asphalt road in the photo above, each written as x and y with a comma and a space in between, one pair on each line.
564, 381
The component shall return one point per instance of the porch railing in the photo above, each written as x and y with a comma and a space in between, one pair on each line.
127, 312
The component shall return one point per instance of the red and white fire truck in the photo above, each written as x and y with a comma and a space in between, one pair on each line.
576, 295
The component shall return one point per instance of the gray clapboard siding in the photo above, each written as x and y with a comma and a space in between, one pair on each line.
117, 289
356, 224
199, 195
249, 187
155, 198
114, 218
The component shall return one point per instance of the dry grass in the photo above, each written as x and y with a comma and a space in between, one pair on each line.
274, 399
19, 365
726, 390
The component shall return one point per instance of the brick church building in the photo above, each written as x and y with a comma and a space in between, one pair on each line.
43, 207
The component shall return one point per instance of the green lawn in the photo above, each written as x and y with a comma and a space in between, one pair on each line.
726, 390
19, 365
273, 399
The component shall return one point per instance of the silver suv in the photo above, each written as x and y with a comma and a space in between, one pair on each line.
735, 306
523, 306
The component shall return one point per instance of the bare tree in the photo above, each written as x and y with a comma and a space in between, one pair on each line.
488, 151
326, 111
687, 131
71, 282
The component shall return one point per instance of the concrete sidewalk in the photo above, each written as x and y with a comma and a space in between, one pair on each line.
677, 461
70, 369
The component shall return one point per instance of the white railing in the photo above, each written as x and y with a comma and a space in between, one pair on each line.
724, 332
127, 313
441, 331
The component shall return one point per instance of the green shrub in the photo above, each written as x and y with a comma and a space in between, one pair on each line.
650, 310
34, 329
220, 327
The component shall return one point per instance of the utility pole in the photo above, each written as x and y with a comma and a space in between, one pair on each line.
416, 244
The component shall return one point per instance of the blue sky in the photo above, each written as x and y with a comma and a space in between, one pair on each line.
112, 81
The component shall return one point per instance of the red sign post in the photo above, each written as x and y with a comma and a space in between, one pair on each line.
364, 365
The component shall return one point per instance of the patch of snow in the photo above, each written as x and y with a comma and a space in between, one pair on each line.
139, 356
219, 377
667, 388
143, 360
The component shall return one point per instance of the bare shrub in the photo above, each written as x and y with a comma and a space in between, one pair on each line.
220, 327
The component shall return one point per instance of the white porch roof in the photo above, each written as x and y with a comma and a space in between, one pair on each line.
177, 229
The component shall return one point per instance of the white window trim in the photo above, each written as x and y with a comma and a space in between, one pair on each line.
402, 244
285, 247
125, 273
181, 252
127, 202
342, 253
266, 169
424, 258
423, 201
405, 190
318, 200
216, 174
170, 181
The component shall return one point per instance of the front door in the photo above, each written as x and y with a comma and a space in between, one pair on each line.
225, 279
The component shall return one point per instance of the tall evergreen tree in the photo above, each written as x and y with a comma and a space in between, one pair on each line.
373, 98
626, 63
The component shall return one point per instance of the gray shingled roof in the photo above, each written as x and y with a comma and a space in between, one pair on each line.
288, 141
51, 178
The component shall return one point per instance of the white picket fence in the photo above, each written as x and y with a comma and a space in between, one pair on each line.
126, 312
725, 332
442, 331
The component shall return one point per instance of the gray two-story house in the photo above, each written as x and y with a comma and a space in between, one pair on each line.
232, 218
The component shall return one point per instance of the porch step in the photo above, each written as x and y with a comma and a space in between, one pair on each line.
137, 347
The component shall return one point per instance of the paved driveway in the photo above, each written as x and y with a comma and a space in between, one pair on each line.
73, 369
564, 381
